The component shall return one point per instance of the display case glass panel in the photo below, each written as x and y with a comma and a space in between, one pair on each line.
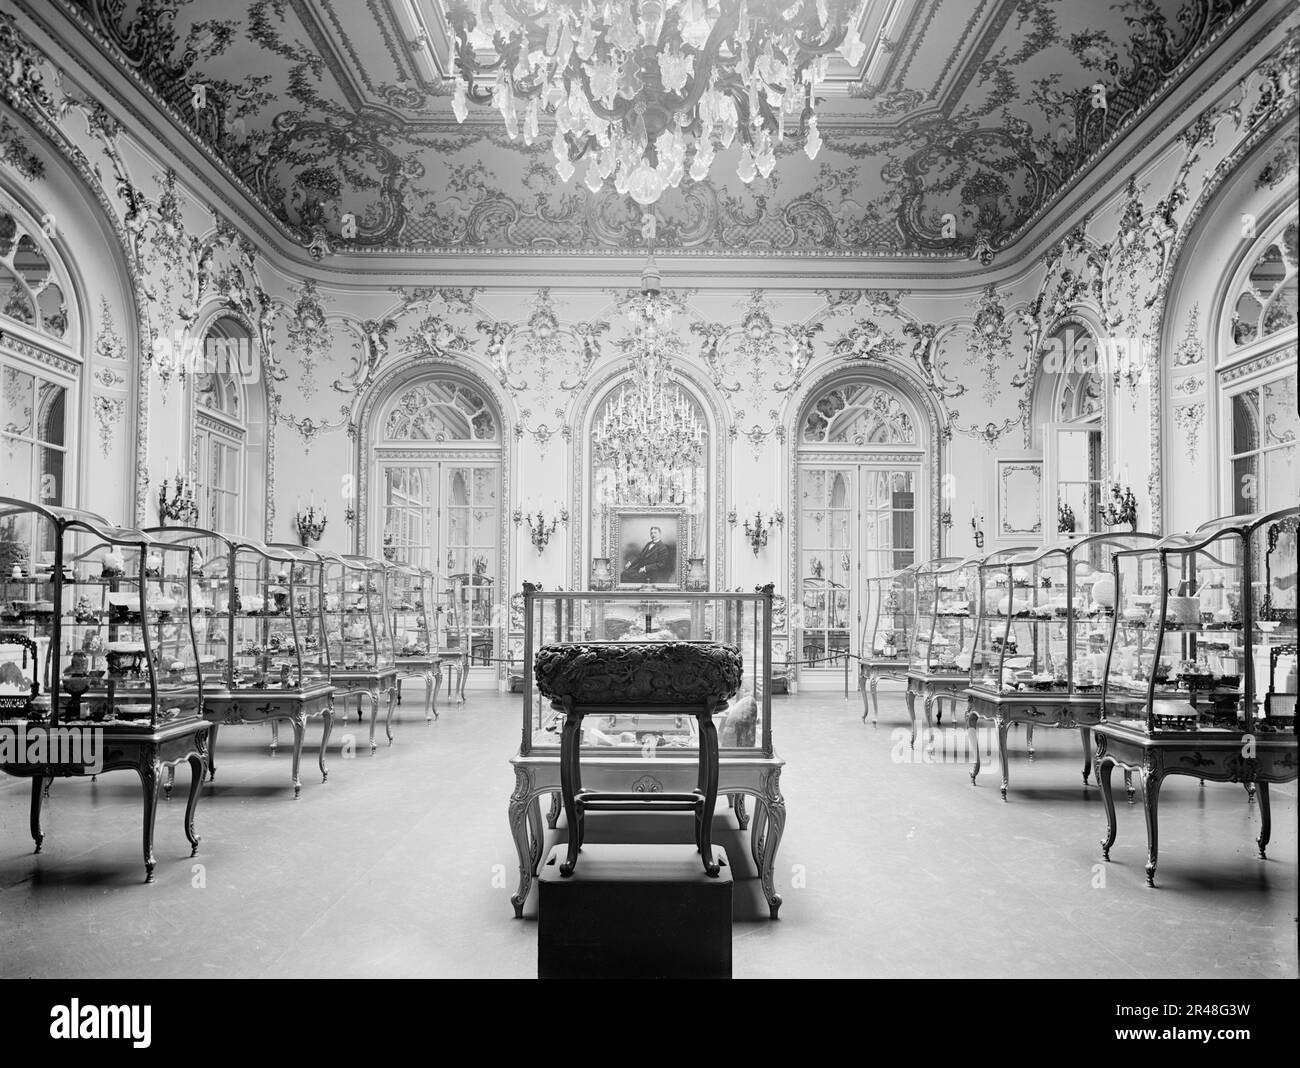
927, 602
413, 607
739, 619
95, 621
367, 635
470, 615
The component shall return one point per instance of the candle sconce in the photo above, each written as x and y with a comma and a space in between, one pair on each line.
757, 531
540, 528
977, 528
310, 524
1121, 508
179, 504
945, 520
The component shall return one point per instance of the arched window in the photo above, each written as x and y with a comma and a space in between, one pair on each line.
37, 393
1068, 398
860, 502
30, 289
440, 412
1256, 372
226, 447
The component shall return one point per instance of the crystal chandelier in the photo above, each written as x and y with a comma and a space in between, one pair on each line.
632, 84
649, 437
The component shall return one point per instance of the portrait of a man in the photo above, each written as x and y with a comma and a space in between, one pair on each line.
649, 551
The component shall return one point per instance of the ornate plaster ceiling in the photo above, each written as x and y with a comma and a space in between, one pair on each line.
964, 119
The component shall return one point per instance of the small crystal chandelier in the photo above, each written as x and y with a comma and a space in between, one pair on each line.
631, 84
650, 435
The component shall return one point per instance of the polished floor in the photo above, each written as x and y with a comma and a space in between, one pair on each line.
402, 865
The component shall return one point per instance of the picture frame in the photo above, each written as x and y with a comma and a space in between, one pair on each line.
637, 561
1020, 498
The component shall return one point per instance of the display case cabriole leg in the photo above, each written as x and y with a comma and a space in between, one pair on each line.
536, 835
1003, 763
430, 713
299, 724
150, 779
1150, 807
569, 742
875, 700
212, 752
775, 805
517, 811
327, 720
1104, 768
1265, 818
909, 699
738, 806
553, 816
196, 781
1085, 736
973, 739
38, 795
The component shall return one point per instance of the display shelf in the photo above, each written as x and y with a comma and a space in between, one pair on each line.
1175, 702
648, 752
1041, 639
887, 632
98, 655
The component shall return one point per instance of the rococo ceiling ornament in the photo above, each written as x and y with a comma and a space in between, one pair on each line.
631, 84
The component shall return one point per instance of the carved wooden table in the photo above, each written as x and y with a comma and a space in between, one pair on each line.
870, 672
758, 776
144, 750
934, 688
368, 684
1032, 709
296, 706
428, 668
1216, 755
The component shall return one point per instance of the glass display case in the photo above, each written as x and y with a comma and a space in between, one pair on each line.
1047, 618
650, 753
470, 618
358, 633
257, 612
887, 632
261, 634
412, 597
98, 658
95, 621
1199, 618
1200, 621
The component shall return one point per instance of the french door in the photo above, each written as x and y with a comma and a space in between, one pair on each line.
857, 520
445, 515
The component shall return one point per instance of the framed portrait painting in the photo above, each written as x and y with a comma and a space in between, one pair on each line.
646, 546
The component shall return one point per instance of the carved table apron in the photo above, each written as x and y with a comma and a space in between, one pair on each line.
870, 672
1049, 709
145, 751
428, 668
263, 706
759, 776
368, 684
1219, 756
934, 688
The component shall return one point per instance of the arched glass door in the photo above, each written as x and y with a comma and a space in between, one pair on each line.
859, 510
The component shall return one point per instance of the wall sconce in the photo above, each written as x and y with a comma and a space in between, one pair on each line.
180, 505
602, 574
349, 516
310, 524
697, 575
757, 532
1121, 508
977, 528
540, 528
945, 520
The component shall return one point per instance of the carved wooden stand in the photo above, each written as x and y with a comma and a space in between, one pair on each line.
145, 751
1064, 710
934, 689
428, 668
870, 672
369, 684
578, 801
272, 706
1219, 756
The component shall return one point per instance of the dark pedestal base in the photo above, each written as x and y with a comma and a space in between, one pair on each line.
634, 912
